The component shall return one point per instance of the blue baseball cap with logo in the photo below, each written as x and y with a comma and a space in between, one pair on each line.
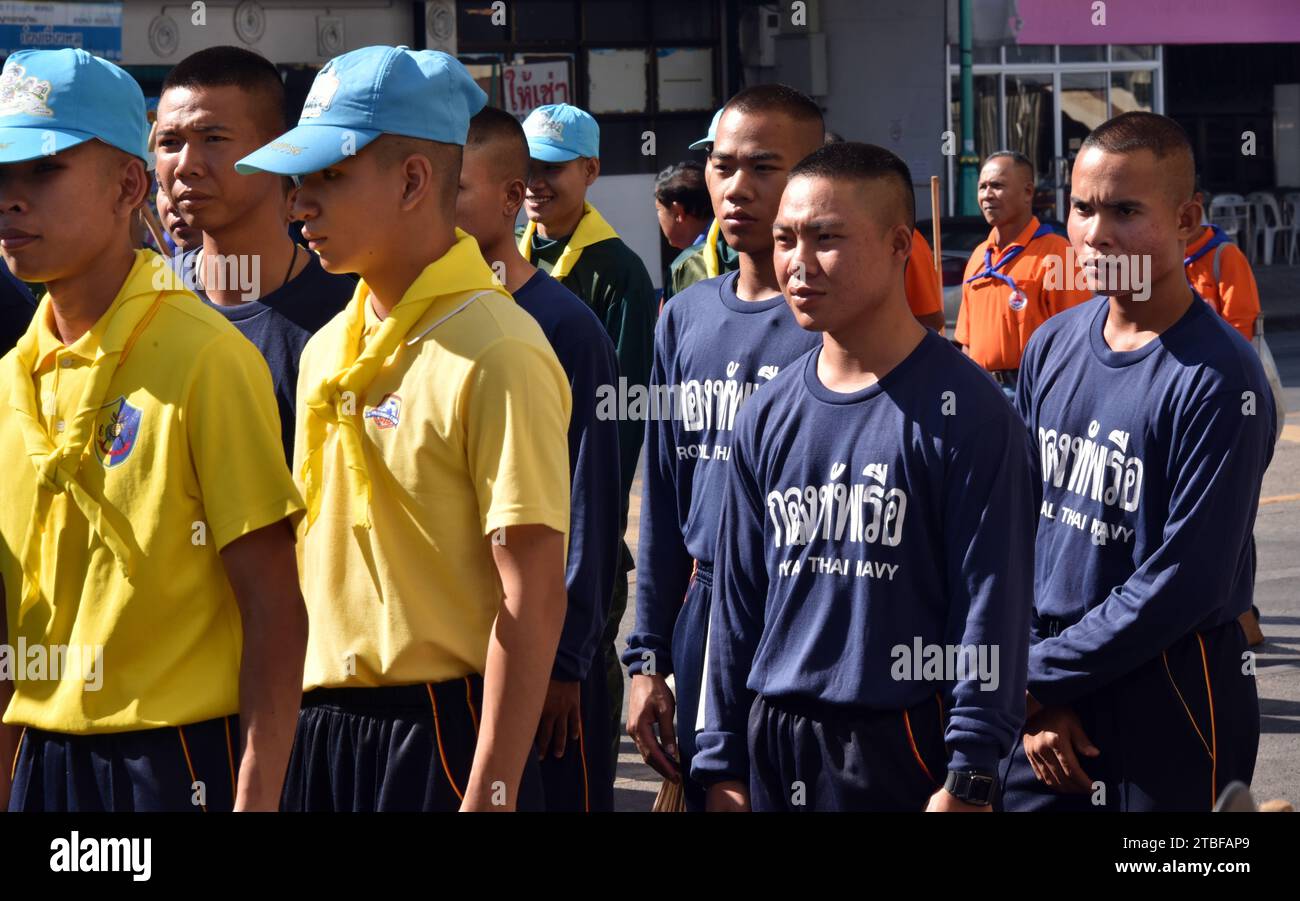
363, 94
51, 100
559, 132
712, 136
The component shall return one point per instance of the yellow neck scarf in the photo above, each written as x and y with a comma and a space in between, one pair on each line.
591, 229
121, 325
712, 267
335, 402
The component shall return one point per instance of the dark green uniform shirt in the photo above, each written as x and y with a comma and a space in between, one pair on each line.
613, 281
690, 266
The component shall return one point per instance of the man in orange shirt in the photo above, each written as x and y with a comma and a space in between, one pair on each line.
921, 283
1007, 292
1221, 274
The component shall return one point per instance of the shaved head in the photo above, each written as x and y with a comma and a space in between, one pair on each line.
1162, 137
499, 135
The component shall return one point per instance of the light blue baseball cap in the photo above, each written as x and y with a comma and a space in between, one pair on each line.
51, 100
363, 94
711, 136
559, 132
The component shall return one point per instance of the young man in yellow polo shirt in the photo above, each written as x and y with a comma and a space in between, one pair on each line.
432, 449
1008, 289
146, 545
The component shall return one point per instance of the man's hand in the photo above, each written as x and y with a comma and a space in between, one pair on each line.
1054, 738
727, 797
263, 572
944, 801
561, 718
649, 702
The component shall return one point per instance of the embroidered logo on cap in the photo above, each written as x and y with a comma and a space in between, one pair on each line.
21, 94
322, 94
546, 127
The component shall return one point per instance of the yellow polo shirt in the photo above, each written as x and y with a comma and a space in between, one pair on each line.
186, 458
464, 432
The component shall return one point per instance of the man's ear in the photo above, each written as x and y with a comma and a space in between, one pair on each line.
417, 173
515, 191
133, 184
1190, 214
591, 167
677, 211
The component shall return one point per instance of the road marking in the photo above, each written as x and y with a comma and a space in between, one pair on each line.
1279, 499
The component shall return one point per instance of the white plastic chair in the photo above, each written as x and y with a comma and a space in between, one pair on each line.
1291, 220
1231, 213
1268, 215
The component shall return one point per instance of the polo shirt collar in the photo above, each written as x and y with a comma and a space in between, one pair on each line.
139, 282
1022, 239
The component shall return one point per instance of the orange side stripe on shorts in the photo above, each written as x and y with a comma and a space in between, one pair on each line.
437, 733
1165, 657
189, 763
469, 702
1214, 738
230, 756
18, 750
582, 753
907, 722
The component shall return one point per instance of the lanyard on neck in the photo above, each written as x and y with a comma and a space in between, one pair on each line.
1217, 237
990, 270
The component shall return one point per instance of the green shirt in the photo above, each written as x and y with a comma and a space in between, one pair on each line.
613, 281
690, 266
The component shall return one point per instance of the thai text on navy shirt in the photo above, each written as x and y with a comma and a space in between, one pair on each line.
587, 354
865, 537
280, 323
712, 351
1150, 463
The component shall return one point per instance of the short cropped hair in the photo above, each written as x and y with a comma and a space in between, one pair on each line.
491, 125
1162, 136
854, 161
684, 183
223, 66
779, 98
1016, 157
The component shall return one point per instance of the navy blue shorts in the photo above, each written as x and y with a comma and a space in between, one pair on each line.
806, 756
1172, 733
582, 780
690, 639
399, 747
173, 768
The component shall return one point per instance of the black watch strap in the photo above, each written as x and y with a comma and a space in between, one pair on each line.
971, 786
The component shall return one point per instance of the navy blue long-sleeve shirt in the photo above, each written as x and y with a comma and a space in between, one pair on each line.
1150, 463
712, 351
587, 355
868, 535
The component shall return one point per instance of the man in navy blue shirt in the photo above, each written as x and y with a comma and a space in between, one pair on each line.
573, 737
722, 339
17, 306
217, 106
867, 648
1154, 424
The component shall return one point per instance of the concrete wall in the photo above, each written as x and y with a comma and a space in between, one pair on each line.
886, 80
289, 28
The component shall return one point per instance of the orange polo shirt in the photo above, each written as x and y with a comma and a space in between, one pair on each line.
994, 333
920, 280
1235, 296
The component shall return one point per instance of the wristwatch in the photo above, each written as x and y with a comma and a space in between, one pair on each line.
971, 786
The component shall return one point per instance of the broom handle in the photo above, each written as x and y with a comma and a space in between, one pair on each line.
934, 210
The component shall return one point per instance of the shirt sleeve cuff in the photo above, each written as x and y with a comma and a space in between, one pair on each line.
974, 756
